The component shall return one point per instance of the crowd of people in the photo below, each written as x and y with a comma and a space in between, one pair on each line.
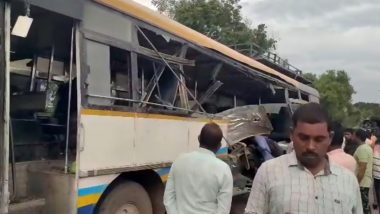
328, 169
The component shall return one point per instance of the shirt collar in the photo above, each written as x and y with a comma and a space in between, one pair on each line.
206, 151
293, 161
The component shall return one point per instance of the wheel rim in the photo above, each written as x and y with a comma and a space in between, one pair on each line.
128, 209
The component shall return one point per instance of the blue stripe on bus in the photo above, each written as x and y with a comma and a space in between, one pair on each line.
163, 171
92, 190
86, 210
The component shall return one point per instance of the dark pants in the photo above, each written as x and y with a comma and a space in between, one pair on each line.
377, 191
365, 199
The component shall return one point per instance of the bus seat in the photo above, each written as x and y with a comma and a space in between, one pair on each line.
28, 102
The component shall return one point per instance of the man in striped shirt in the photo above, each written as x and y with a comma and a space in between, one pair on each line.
304, 181
376, 165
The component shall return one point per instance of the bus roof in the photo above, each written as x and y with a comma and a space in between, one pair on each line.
147, 15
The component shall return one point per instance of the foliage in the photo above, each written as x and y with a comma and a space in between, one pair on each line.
336, 94
219, 19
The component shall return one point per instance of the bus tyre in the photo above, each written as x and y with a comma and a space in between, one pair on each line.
126, 198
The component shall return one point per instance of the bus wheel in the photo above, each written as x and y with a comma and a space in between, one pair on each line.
126, 198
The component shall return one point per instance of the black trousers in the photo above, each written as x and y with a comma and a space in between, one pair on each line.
377, 192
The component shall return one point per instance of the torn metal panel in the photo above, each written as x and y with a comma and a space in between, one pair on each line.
245, 122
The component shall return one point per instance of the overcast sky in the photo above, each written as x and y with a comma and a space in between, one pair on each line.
319, 35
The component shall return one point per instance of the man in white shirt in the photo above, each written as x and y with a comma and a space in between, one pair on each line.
199, 182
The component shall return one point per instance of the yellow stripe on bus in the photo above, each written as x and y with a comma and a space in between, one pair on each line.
88, 200
146, 115
164, 178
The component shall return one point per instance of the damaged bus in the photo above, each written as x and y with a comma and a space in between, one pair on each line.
98, 98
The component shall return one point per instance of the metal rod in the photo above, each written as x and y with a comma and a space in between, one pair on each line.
153, 82
156, 78
4, 197
288, 101
170, 68
13, 161
33, 73
69, 101
235, 102
175, 94
50, 66
209, 92
142, 83
144, 102
195, 89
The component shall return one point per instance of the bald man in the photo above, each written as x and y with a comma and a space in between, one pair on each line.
199, 182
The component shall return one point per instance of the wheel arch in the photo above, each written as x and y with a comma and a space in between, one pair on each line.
149, 179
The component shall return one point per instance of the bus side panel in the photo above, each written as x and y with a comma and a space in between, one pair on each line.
127, 140
90, 191
108, 142
162, 140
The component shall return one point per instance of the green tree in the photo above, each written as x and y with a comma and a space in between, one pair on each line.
336, 94
311, 77
219, 19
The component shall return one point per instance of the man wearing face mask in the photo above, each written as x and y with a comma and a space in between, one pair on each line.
305, 181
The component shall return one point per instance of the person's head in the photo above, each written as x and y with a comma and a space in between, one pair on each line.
348, 134
311, 134
211, 137
360, 135
368, 134
337, 139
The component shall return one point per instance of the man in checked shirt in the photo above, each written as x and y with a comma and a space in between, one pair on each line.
304, 181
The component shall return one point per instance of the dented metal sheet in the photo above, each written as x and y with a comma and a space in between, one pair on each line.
245, 122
